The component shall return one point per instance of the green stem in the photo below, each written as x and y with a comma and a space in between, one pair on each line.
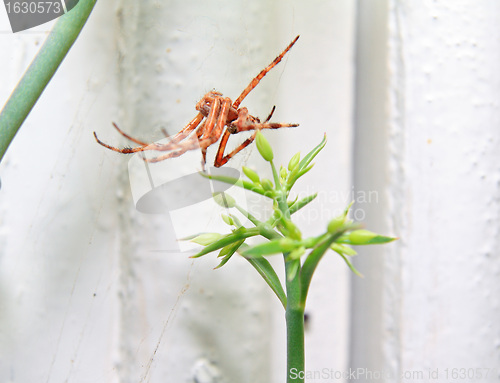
294, 329
281, 193
294, 311
41, 70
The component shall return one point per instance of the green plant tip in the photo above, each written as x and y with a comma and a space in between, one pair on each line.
292, 230
297, 252
343, 249
227, 219
264, 147
283, 173
287, 244
251, 174
267, 185
224, 200
206, 238
366, 237
336, 224
294, 162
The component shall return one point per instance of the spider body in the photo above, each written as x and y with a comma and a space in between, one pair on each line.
217, 117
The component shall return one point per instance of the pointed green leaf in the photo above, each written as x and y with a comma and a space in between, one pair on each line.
267, 272
296, 206
311, 262
223, 261
206, 238
343, 249
353, 269
228, 252
313, 153
296, 174
235, 236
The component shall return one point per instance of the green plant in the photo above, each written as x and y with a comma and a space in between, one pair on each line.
301, 255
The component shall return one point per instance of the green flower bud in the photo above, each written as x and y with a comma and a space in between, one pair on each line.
224, 200
283, 173
335, 224
287, 244
227, 219
251, 174
206, 238
267, 185
292, 230
264, 147
360, 237
365, 237
297, 252
294, 161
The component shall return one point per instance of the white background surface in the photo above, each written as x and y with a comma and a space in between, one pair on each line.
408, 96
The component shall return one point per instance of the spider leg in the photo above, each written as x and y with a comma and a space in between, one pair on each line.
270, 114
221, 159
153, 146
262, 73
129, 137
203, 158
123, 150
243, 123
180, 136
193, 142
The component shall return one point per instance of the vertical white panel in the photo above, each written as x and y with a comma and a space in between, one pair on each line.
437, 287
370, 179
58, 222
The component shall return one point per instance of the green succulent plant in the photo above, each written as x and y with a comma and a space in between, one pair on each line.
282, 236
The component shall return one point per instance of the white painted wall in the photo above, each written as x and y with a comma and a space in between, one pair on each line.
88, 292
427, 137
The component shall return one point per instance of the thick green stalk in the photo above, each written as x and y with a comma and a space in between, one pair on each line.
294, 329
41, 70
294, 311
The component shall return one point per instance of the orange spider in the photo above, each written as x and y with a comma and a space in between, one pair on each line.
215, 113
